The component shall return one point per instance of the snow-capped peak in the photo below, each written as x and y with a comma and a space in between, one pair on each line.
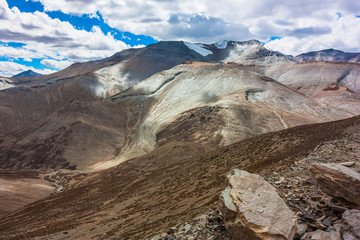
199, 48
221, 45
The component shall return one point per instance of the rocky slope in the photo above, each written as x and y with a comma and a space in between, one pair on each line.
330, 55
28, 99
211, 104
215, 104
328, 83
21, 187
175, 183
164, 105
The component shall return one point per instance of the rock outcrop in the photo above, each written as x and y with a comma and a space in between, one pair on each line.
252, 209
351, 221
338, 181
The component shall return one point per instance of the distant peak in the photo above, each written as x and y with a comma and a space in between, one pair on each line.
28, 73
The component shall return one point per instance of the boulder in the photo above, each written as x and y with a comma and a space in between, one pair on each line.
338, 181
322, 235
252, 209
351, 221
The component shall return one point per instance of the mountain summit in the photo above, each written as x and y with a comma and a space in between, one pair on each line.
28, 73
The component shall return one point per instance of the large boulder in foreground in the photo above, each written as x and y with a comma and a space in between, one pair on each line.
252, 209
338, 181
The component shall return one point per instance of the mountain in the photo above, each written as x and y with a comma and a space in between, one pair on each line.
95, 115
158, 128
178, 181
28, 73
34, 98
330, 55
206, 103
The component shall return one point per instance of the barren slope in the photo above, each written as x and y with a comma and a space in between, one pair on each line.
214, 104
174, 183
78, 135
333, 84
29, 99
21, 187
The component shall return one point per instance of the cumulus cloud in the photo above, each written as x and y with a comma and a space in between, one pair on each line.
302, 26
56, 64
8, 69
208, 20
344, 35
46, 37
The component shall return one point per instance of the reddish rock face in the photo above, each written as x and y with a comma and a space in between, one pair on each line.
253, 209
338, 181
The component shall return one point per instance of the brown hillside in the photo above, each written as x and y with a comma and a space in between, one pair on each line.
176, 182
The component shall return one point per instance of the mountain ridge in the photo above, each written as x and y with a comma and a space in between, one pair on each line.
331, 55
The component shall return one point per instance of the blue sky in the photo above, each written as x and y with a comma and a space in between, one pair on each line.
48, 35
84, 22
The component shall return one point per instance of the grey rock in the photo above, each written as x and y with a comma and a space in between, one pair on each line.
348, 164
349, 236
351, 221
327, 221
302, 227
322, 235
240, 203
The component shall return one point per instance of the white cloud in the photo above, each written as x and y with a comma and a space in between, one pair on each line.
56, 64
303, 25
8, 69
208, 20
51, 38
27, 59
344, 35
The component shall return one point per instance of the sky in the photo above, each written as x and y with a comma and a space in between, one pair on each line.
49, 35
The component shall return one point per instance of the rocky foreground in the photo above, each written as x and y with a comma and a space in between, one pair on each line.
140, 200
318, 197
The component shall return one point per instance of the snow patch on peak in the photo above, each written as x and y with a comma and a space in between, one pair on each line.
199, 48
221, 45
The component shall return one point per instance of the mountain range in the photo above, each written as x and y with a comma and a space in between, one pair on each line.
170, 110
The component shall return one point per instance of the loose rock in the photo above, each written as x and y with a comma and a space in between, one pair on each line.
252, 209
348, 164
322, 235
338, 181
351, 220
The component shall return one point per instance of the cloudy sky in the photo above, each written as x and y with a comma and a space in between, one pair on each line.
49, 35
